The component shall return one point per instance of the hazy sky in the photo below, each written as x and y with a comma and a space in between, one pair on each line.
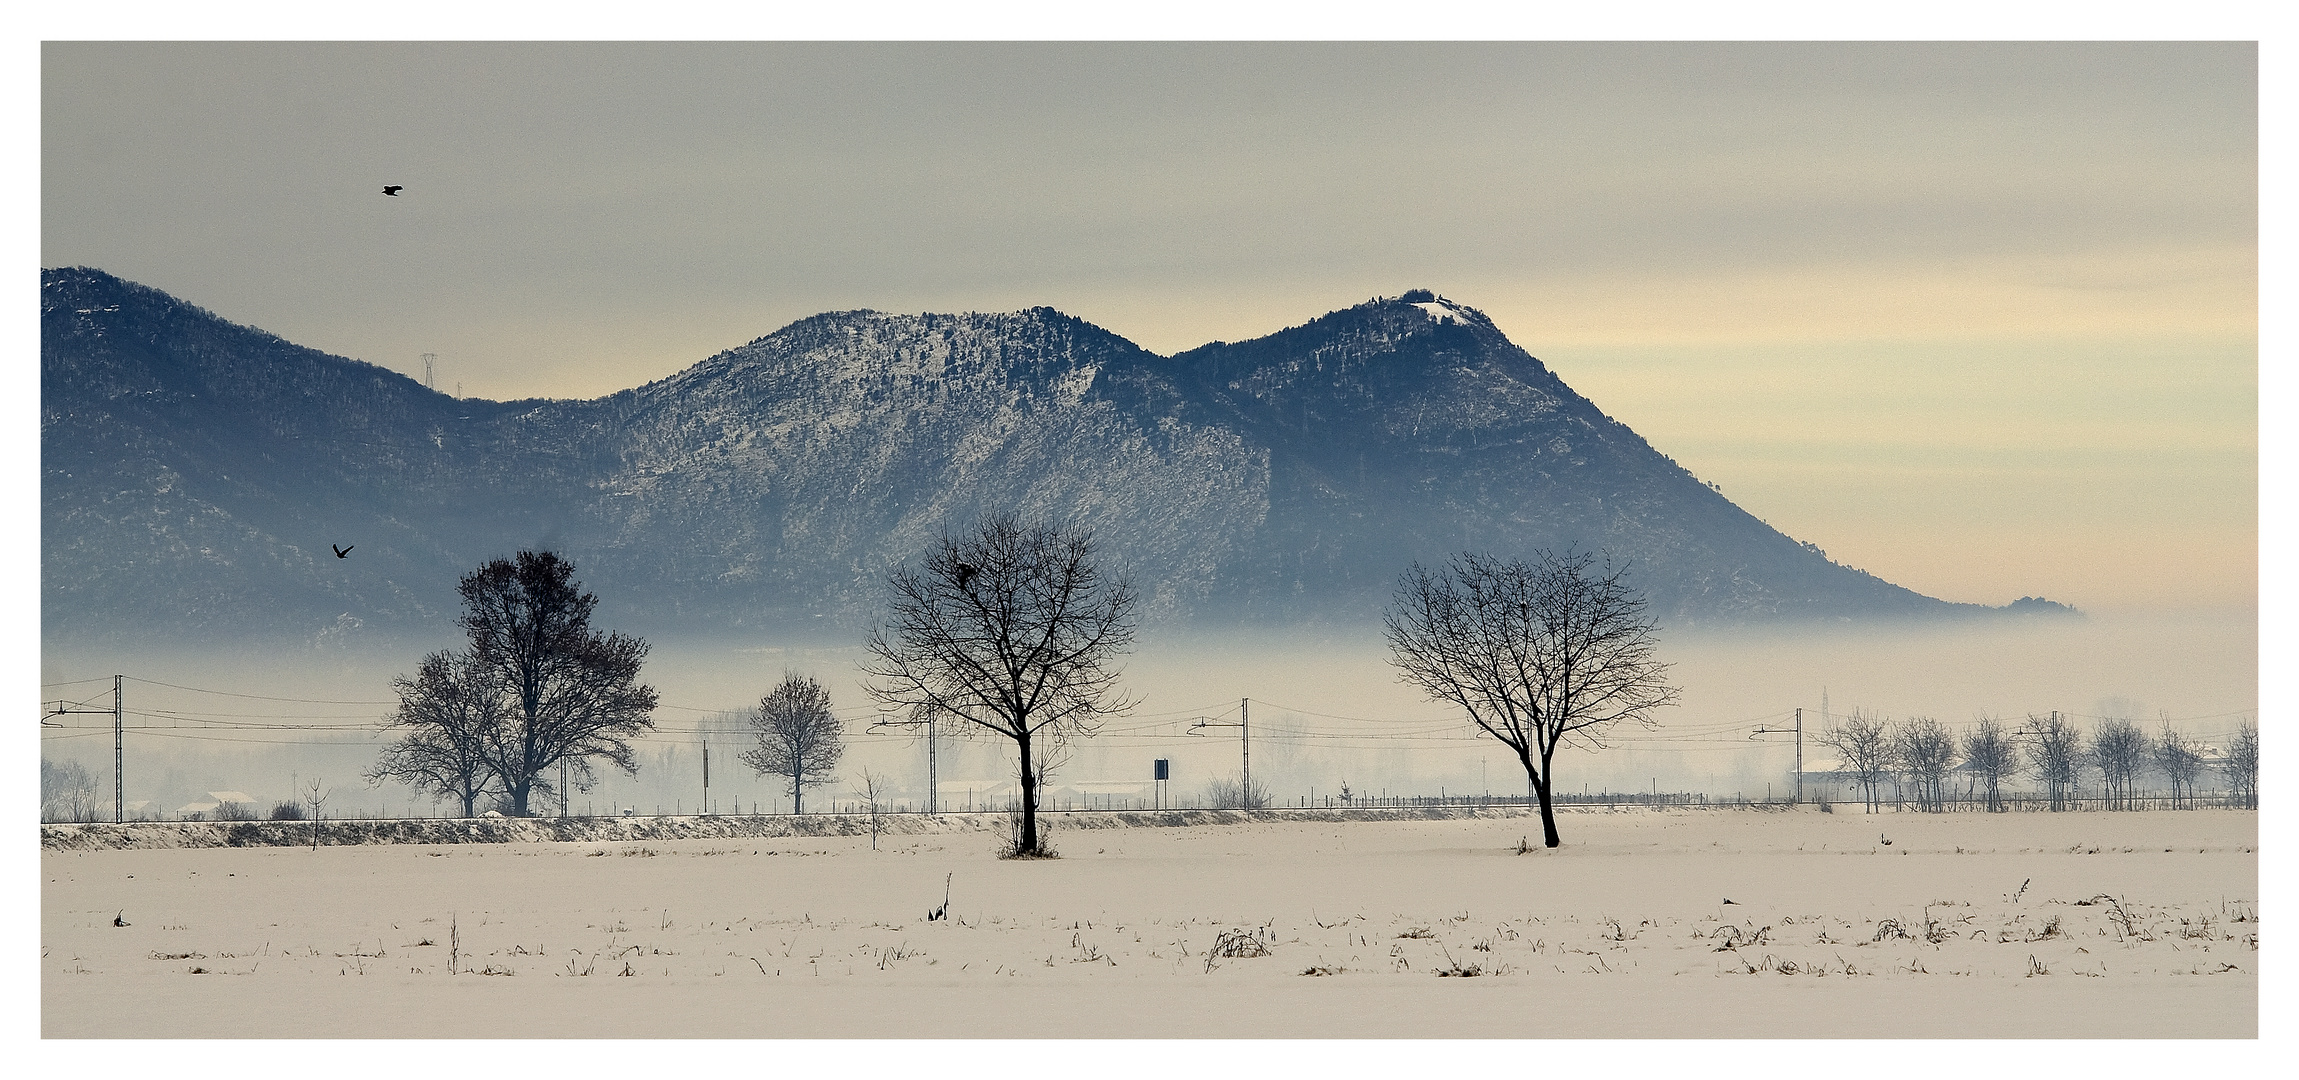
1981, 319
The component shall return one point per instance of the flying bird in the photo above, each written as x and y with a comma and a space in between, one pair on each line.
393, 190
343, 552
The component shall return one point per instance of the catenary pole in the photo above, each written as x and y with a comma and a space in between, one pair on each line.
1245, 742
119, 757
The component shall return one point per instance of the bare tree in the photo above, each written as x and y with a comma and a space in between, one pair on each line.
1991, 758
449, 710
798, 736
1228, 793
574, 694
1537, 654
2118, 750
2179, 759
1863, 748
2055, 752
1927, 751
2241, 766
1013, 628
873, 786
315, 797
67, 791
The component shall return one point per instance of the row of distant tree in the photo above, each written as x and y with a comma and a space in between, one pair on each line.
1920, 756
1015, 630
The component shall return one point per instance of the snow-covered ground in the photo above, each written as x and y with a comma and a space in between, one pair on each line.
1964, 925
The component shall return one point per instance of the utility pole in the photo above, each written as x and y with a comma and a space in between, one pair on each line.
119, 758
562, 789
119, 783
429, 359
1799, 730
932, 720
1245, 737
706, 776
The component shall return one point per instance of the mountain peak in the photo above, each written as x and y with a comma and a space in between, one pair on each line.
1271, 481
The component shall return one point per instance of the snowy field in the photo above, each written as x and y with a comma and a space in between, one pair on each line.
1966, 925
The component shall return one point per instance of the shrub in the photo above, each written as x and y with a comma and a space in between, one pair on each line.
1228, 793
287, 810
231, 811
1012, 827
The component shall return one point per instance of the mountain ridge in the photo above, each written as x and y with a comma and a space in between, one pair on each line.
770, 487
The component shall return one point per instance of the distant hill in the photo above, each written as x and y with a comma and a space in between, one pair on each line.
195, 473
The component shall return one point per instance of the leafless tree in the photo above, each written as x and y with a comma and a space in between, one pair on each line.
2179, 759
2241, 766
2055, 753
574, 694
1927, 751
1538, 654
797, 736
448, 711
1863, 748
315, 796
1991, 758
873, 786
2118, 750
67, 791
1013, 628
1228, 793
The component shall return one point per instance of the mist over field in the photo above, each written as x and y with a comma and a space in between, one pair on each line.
1325, 709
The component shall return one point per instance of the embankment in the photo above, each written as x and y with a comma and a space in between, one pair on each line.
206, 834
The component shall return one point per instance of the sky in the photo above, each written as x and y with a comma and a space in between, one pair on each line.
1978, 318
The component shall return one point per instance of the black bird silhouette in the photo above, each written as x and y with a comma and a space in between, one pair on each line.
342, 552
965, 574
393, 190
1886, 839
1728, 900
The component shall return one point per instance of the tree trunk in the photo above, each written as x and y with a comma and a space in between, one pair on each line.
797, 791
519, 797
1029, 842
1549, 836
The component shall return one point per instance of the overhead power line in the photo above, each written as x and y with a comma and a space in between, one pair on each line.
256, 697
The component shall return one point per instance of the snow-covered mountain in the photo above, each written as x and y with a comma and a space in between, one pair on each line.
195, 474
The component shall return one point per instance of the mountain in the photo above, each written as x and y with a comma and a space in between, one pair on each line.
195, 474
